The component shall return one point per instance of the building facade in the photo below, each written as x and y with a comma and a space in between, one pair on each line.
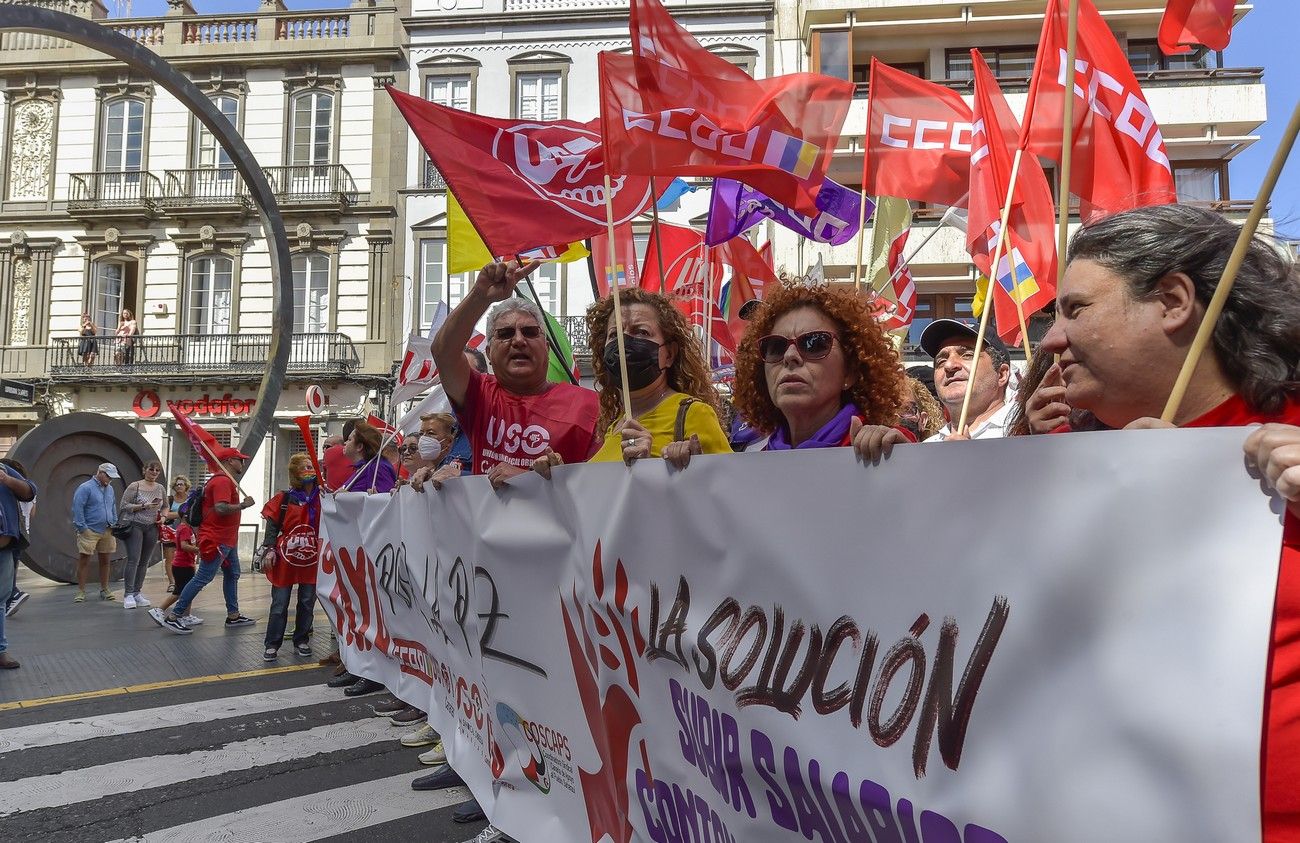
113, 198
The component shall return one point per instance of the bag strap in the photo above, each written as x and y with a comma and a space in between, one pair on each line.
279, 521
679, 427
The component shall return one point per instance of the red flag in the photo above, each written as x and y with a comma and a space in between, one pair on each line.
686, 261
765, 252
1119, 159
1188, 22
204, 443
304, 424
776, 135
918, 139
623, 261
750, 274
1032, 223
898, 313
385, 429
523, 183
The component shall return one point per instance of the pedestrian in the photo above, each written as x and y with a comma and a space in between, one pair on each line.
14, 487
168, 519
124, 346
183, 561
218, 536
17, 596
293, 534
142, 502
88, 346
94, 511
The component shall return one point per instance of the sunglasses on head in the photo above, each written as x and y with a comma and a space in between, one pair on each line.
530, 332
813, 345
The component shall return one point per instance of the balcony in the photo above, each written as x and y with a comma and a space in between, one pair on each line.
231, 357
114, 195
433, 179
206, 193
313, 188
579, 339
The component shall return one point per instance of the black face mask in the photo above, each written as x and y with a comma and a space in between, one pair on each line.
642, 362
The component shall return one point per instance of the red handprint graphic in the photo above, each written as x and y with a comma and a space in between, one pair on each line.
606, 634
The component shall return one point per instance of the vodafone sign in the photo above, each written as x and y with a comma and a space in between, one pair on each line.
147, 405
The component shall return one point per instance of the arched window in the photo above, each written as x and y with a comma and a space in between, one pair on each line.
312, 129
123, 141
211, 286
311, 293
208, 154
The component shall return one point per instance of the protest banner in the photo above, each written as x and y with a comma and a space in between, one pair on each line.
792, 644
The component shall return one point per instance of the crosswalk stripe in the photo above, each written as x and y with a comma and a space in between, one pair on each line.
83, 785
143, 720
316, 816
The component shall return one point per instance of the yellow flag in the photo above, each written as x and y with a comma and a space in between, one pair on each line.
981, 296
466, 251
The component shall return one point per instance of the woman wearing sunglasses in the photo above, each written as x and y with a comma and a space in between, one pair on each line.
674, 405
815, 371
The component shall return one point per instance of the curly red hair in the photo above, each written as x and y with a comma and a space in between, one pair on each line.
879, 389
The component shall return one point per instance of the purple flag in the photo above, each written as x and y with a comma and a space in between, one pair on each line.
738, 207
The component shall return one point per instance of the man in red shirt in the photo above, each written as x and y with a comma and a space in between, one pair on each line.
218, 540
1134, 294
513, 415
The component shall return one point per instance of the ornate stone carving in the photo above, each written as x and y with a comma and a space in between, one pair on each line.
31, 150
304, 234
20, 325
207, 237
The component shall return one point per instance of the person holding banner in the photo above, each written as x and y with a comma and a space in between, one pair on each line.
1136, 289
952, 345
814, 370
513, 415
674, 404
371, 470
293, 531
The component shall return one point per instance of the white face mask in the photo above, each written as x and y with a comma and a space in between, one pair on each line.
430, 448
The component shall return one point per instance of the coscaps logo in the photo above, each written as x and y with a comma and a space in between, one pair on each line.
564, 163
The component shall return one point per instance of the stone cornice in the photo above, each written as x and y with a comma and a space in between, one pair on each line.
414, 22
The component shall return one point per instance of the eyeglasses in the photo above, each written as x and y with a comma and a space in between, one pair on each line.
813, 345
530, 332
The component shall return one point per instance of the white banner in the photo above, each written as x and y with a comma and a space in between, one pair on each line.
1052, 638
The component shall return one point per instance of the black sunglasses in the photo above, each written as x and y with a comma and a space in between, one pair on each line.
530, 332
813, 345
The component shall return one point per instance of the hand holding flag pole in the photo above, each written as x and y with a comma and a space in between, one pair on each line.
1220, 297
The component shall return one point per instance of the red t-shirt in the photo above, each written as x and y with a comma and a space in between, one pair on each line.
517, 429
183, 558
298, 545
218, 529
338, 468
1280, 752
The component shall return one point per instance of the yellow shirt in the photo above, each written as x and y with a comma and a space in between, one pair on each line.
660, 421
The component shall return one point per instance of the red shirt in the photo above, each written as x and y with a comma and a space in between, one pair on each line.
298, 545
338, 468
1280, 750
218, 529
183, 558
517, 429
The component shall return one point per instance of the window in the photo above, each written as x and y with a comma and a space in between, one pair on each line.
210, 287
112, 287
1144, 56
434, 284
208, 153
451, 91
313, 125
1198, 183
1005, 62
123, 148
537, 96
311, 285
546, 281
930, 307
834, 53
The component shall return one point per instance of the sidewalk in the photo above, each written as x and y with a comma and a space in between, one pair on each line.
70, 648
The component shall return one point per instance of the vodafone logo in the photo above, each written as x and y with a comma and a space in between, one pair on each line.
565, 164
146, 404
514, 438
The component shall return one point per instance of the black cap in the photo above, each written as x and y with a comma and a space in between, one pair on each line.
940, 331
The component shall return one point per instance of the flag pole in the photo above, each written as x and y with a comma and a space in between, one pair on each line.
659, 242
1067, 142
551, 341
1015, 281
618, 307
902, 267
862, 223
1220, 297
708, 307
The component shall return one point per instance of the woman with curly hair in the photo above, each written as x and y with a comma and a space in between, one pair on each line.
815, 371
674, 405
921, 413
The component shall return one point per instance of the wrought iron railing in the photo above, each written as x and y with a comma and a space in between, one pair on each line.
207, 186
576, 328
312, 183
83, 358
107, 190
433, 179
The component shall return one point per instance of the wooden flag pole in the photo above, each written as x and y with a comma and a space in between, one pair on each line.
1220, 297
659, 241
1015, 280
618, 306
708, 307
1067, 142
862, 223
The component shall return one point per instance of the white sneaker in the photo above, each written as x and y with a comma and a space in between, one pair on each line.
435, 756
192, 620
141, 600
157, 616
422, 736
128, 602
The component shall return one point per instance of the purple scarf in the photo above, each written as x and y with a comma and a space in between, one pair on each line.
831, 435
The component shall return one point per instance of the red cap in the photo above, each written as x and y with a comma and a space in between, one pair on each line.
229, 453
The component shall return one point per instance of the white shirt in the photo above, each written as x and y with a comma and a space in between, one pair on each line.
991, 428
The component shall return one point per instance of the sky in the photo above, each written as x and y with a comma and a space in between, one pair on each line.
1264, 38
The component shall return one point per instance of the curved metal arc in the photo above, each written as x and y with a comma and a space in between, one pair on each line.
138, 57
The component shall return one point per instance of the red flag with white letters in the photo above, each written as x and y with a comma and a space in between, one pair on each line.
918, 139
1119, 159
686, 260
1189, 22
